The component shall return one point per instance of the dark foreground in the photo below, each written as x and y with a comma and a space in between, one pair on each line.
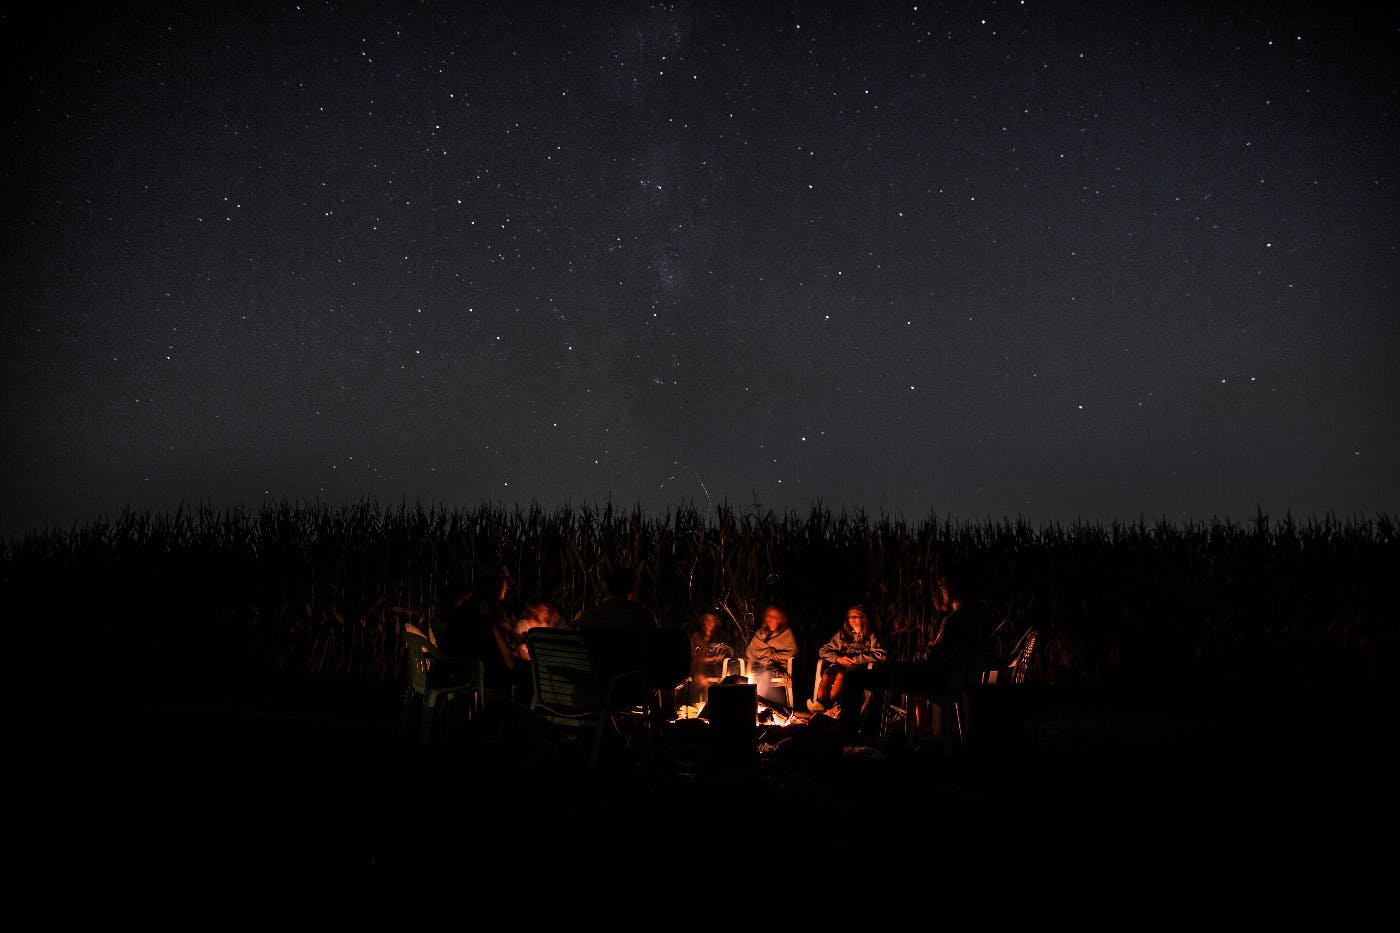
1105, 777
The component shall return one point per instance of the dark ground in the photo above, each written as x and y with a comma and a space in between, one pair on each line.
1104, 778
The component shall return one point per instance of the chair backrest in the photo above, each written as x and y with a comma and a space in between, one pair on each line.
456, 675
1021, 659
420, 656
566, 684
574, 691
1013, 669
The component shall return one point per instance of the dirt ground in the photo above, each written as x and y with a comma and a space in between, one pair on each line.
184, 788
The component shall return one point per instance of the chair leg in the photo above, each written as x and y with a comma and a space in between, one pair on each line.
948, 723
597, 749
894, 712
965, 717
425, 722
410, 700
954, 721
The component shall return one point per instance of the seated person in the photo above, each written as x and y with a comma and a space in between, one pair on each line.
477, 625
768, 653
620, 609
958, 648
539, 614
708, 651
626, 635
853, 645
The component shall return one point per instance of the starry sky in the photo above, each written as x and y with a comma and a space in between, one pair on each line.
1055, 261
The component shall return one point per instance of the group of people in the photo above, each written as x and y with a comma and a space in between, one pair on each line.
481, 621
959, 645
853, 663
478, 622
767, 657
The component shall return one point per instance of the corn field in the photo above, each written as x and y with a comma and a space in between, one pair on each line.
226, 605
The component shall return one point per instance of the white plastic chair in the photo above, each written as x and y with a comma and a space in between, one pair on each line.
817, 682
574, 694
427, 692
783, 679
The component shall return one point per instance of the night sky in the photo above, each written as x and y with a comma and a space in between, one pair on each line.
1053, 261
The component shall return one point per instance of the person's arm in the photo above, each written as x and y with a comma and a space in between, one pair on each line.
831, 651
785, 647
878, 654
504, 631
936, 640
757, 652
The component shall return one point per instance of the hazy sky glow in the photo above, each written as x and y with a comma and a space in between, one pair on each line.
1052, 260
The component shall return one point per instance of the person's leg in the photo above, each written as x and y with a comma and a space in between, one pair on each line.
922, 680
838, 680
760, 676
856, 682
523, 682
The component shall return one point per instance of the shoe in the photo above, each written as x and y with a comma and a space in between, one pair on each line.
835, 711
814, 707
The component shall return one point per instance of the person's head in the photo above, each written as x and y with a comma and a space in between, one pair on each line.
942, 598
958, 583
540, 614
620, 582
458, 590
774, 617
857, 622
493, 579
709, 623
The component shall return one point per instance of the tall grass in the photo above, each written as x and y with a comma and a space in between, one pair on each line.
231, 602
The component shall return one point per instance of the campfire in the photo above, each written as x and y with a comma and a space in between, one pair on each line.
770, 715
766, 713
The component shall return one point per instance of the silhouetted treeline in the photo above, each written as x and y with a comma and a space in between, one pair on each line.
231, 605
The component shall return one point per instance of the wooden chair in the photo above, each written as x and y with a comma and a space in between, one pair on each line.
429, 690
572, 692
